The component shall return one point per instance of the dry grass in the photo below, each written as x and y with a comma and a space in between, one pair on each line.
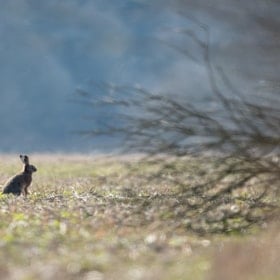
91, 218
256, 259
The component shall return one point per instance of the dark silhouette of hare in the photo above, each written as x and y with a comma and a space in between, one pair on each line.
19, 183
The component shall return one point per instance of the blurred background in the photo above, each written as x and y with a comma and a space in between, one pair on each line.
49, 50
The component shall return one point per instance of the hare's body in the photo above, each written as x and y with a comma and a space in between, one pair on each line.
19, 183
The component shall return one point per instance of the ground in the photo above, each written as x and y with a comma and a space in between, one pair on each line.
91, 217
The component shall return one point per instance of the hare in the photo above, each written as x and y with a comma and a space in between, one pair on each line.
19, 183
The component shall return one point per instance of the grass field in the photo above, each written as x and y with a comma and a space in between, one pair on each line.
92, 218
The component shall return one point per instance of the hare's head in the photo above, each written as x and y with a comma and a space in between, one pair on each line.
28, 168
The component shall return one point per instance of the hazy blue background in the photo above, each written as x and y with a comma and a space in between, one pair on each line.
48, 49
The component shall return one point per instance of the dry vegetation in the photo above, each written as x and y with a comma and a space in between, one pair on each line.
100, 218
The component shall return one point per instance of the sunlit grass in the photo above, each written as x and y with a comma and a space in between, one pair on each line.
89, 218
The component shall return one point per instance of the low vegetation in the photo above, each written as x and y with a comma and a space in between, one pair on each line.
113, 218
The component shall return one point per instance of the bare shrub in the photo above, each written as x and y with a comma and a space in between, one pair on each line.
234, 142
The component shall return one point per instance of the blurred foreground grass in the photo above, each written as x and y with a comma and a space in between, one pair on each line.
92, 218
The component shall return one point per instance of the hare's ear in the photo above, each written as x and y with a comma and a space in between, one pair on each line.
24, 159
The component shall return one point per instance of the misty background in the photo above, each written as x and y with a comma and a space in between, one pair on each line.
51, 49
